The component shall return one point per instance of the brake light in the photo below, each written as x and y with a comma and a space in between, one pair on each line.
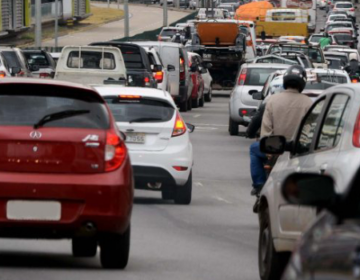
159, 76
159, 38
182, 69
242, 77
244, 112
128, 96
115, 152
352, 9
354, 81
180, 168
2, 74
44, 75
179, 127
147, 81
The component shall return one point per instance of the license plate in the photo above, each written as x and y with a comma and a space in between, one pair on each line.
135, 138
33, 210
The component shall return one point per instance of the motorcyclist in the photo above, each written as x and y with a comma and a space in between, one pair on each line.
353, 67
324, 41
281, 115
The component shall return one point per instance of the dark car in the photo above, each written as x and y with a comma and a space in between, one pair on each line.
345, 39
65, 169
40, 63
138, 67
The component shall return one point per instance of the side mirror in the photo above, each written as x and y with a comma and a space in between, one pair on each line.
157, 68
190, 127
309, 189
251, 92
171, 68
274, 145
14, 71
263, 35
257, 95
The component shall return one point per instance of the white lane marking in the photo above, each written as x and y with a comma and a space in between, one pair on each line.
222, 199
205, 128
196, 116
198, 184
210, 124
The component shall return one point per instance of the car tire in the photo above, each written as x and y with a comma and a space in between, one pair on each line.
189, 106
208, 96
202, 101
183, 193
195, 103
115, 249
84, 247
271, 263
183, 106
233, 127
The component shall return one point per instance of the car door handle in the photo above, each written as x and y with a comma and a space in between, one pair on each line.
323, 168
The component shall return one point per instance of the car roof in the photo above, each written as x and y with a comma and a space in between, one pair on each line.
116, 90
35, 81
343, 2
158, 43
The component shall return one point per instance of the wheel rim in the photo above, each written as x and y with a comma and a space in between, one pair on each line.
264, 249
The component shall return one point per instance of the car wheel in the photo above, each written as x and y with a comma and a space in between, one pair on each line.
233, 127
208, 96
190, 104
115, 250
183, 106
202, 100
183, 193
195, 103
84, 247
271, 263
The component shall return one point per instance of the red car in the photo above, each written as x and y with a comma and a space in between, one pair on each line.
64, 169
197, 93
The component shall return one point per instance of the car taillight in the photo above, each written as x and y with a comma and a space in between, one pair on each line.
159, 76
147, 81
159, 38
2, 74
242, 77
354, 81
182, 69
352, 9
356, 133
179, 127
44, 75
115, 152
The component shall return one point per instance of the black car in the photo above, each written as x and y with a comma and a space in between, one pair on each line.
138, 67
330, 248
40, 63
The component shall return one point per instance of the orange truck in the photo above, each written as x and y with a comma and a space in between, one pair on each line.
221, 43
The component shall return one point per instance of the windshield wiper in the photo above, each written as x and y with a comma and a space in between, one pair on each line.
145, 120
59, 115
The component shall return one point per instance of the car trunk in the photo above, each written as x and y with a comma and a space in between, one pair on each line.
147, 122
70, 139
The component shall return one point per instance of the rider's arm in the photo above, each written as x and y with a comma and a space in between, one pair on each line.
267, 127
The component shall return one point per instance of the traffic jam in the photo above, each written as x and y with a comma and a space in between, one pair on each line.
82, 128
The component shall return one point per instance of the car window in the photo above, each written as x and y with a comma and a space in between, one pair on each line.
125, 110
314, 54
333, 78
167, 33
25, 105
344, 5
307, 130
11, 58
315, 39
91, 60
283, 16
258, 76
275, 60
333, 123
132, 57
38, 59
343, 58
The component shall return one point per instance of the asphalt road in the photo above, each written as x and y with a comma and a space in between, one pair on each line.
213, 238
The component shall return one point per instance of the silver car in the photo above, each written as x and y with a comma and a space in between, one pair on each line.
327, 142
250, 79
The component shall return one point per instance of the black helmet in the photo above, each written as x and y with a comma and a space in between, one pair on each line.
295, 77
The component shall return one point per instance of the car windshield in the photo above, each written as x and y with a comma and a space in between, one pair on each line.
168, 33
258, 76
11, 59
344, 5
26, 105
314, 54
318, 86
315, 38
38, 59
126, 110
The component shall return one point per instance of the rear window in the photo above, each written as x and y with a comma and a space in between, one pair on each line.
132, 57
343, 37
343, 58
258, 76
91, 60
276, 60
344, 5
314, 54
339, 25
283, 16
143, 109
318, 86
335, 64
168, 33
339, 79
26, 105
11, 58
38, 59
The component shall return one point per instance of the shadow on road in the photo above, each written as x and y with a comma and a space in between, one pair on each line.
152, 200
45, 260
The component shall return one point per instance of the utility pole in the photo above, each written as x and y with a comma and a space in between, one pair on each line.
56, 22
165, 10
108, 4
118, 2
126, 22
38, 23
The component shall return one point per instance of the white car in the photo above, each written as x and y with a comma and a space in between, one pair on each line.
345, 6
321, 4
161, 75
157, 139
347, 51
332, 18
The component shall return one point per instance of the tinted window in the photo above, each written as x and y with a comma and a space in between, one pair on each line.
308, 129
126, 110
91, 60
38, 59
11, 59
25, 105
343, 37
314, 54
275, 60
132, 57
332, 127
258, 76
283, 16
335, 64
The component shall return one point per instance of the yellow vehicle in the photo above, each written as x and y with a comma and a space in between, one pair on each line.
277, 29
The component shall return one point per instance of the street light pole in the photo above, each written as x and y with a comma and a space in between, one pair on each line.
56, 22
165, 10
126, 22
38, 23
